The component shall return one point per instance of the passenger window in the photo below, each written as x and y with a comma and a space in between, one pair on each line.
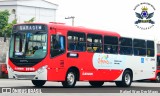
125, 46
150, 48
111, 44
57, 45
158, 60
139, 47
94, 43
76, 41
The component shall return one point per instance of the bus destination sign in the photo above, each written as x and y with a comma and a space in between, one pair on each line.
30, 27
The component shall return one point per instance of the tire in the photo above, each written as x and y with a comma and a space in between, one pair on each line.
126, 79
96, 83
158, 78
38, 83
70, 79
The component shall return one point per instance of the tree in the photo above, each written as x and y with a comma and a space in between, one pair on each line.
4, 16
30, 21
8, 28
5, 27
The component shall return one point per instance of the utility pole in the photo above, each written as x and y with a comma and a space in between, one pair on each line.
71, 17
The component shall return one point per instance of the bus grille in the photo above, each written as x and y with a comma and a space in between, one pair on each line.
25, 76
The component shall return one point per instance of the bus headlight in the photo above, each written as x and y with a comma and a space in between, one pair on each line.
40, 70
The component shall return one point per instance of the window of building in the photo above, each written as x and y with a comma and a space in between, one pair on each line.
139, 47
94, 43
150, 48
111, 44
57, 45
125, 46
76, 41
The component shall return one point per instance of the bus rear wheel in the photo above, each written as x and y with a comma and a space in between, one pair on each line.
158, 78
70, 79
126, 79
96, 83
38, 83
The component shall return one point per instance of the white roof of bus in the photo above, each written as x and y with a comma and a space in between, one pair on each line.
138, 36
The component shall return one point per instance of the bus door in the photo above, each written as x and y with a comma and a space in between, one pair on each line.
57, 61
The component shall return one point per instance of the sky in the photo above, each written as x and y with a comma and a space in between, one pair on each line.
111, 15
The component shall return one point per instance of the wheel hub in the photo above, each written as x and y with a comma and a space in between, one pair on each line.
158, 78
70, 78
127, 79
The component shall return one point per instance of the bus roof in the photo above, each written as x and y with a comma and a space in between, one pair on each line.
139, 36
84, 29
58, 25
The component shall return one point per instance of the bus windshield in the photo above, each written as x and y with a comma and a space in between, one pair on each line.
28, 45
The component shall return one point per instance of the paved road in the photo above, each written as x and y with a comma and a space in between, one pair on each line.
22, 86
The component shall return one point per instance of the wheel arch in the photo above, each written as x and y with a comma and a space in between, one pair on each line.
76, 70
128, 69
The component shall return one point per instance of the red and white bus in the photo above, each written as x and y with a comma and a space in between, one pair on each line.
56, 52
157, 75
158, 69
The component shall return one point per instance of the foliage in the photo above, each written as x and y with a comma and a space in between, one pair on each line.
8, 28
30, 21
4, 16
5, 27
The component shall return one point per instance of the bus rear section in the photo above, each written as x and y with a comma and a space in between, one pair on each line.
56, 52
158, 69
157, 74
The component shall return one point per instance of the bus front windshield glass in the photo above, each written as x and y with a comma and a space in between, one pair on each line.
28, 45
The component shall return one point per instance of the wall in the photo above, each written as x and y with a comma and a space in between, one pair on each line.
40, 14
4, 47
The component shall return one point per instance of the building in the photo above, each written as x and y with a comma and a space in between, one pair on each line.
23, 10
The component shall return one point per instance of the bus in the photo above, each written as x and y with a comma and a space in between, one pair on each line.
157, 75
158, 68
43, 52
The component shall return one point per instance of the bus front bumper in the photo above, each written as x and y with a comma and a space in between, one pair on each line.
40, 74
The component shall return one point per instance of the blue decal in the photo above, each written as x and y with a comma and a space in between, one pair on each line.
142, 60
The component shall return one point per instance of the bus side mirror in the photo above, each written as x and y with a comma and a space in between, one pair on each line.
4, 37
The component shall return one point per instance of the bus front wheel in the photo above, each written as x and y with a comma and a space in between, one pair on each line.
38, 83
96, 83
70, 79
126, 79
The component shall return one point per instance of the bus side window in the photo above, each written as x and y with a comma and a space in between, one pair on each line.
76, 41
150, 48
94, 43
57, 46
139, 47
125, 46
110, 44
158, 60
